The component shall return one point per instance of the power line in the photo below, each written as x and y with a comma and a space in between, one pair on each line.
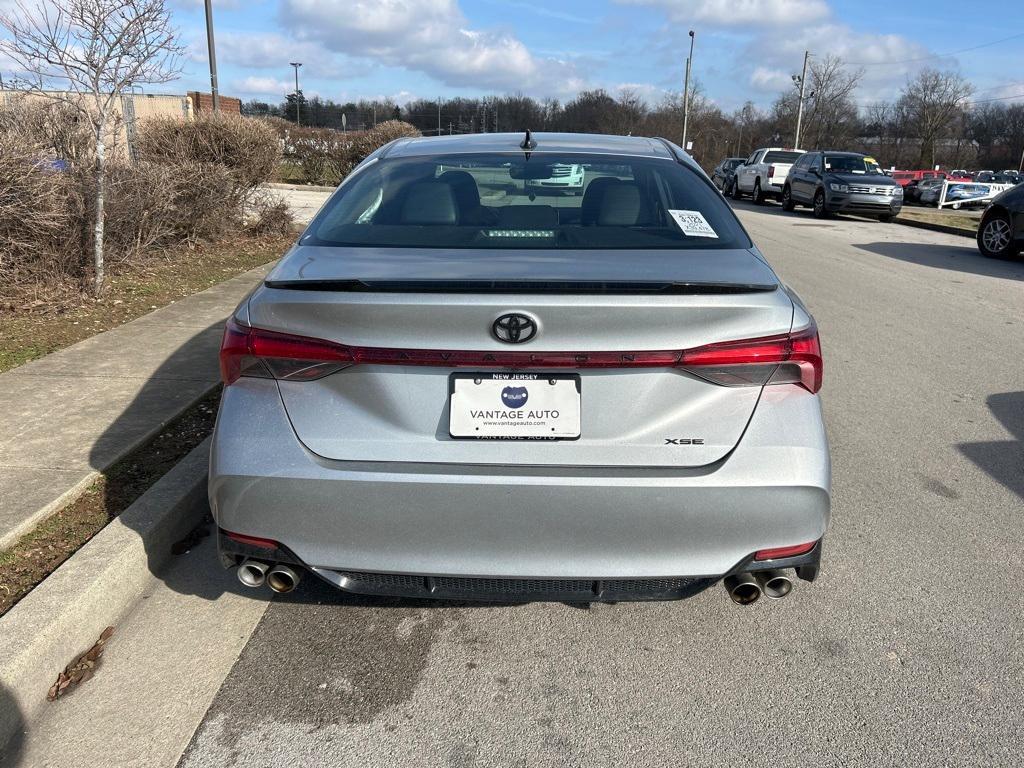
934, 55
998, 98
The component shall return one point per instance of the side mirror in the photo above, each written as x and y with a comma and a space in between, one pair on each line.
816, 170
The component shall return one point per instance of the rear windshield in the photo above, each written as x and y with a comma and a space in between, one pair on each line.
546, 201
782, 157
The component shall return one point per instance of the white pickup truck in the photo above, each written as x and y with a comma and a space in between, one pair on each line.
764, 173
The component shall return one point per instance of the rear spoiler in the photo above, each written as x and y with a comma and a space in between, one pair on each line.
617, 287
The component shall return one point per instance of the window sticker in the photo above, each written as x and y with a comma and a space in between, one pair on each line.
693, 223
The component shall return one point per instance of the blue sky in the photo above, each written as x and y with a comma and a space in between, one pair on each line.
745, 49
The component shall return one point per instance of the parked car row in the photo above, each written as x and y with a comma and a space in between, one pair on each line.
909, 178
826, 181
830, 181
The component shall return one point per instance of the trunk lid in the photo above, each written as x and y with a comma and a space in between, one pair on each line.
583, 301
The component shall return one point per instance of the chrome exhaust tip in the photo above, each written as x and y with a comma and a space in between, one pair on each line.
282, 579
253, 573
743, 588
775, 584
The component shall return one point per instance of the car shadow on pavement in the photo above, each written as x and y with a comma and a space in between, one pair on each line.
12, 718
955, 258
173, 384
1003, 460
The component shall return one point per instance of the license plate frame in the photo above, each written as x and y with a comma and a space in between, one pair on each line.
568, 402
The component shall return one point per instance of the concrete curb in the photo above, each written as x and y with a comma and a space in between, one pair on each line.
71, 495
935, 227
301, 187
93, 589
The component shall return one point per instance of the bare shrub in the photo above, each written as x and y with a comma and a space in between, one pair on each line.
327, 156
40, 219
316, 150
155, 206
55, 127
247, 147
270, 216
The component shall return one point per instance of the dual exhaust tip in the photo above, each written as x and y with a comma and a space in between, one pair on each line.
743, 588
280, 578
747, 588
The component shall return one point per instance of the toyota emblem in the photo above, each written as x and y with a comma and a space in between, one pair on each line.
514, 328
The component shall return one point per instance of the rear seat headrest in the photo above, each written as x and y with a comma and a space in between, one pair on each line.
430, 202
620, 206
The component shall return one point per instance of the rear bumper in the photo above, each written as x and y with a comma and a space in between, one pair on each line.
520, 522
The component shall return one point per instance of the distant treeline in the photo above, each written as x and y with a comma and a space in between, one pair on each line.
935, 120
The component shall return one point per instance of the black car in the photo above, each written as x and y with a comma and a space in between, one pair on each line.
1001, 233
842, 182
725, 172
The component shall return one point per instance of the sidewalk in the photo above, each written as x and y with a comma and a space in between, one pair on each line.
72, 414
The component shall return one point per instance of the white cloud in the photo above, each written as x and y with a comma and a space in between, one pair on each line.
651, 94
883, 59
263, 86
768, 79
428, 36
732, 13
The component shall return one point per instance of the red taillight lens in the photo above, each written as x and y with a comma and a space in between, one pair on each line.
785, 359
780, 552
252, 541
771, 171
269, 354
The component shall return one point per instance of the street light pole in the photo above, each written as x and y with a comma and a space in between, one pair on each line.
686, 91
800, 106
213, 56
298, 105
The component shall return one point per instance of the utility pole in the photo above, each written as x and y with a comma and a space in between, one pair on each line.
800, 106
298, 105
438, 115
686, 91
213, 56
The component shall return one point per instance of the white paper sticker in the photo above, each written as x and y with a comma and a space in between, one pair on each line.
693, 223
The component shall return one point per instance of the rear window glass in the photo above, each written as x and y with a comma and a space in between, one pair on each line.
782, 157
546, 201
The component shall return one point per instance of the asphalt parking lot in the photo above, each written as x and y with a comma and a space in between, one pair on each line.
909, 650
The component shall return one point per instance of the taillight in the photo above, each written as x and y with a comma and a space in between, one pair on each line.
793, 358
785, 359
780, 552
771, 171
252, 541
269, 354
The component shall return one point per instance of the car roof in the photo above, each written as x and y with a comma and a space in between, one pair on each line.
588, 143
841, 152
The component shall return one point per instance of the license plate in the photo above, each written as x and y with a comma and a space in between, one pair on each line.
514, 406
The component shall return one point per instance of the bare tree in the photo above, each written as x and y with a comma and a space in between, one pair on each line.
88, 54
830, 114
934, 101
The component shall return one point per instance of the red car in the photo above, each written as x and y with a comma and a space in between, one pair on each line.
905, 177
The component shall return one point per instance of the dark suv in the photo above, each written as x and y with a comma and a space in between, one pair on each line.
725, 172
842, 182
